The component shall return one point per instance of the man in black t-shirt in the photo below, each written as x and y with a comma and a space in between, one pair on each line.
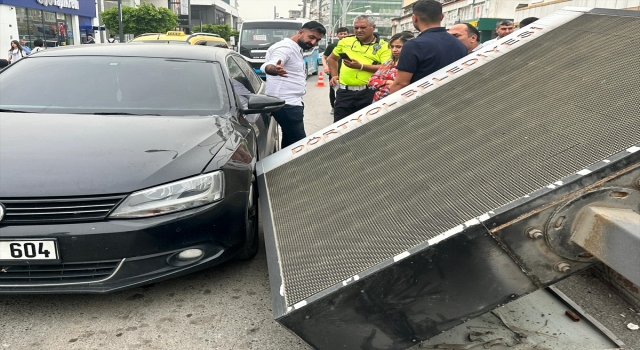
341, 33
433, 49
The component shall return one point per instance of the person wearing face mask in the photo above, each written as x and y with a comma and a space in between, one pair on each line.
382, 80
16, 52
287, 79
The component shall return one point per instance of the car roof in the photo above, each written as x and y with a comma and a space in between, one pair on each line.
184, 37
189, 52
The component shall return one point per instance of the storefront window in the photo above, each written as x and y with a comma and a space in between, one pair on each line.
50, 29
23, 23
69, 29
35, 27
53, 28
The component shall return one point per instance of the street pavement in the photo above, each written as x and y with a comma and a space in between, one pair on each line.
317, 108
226, 307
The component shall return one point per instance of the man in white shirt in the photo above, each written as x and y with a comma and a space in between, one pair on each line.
286, 79
503, 28
468, 34
38, 46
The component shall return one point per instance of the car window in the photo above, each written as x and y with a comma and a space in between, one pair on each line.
254, 79
237, 74
241, 84
114, 85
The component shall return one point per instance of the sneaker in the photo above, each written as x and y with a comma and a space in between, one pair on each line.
331, 110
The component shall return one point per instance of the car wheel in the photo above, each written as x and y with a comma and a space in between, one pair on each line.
317, 69
306, 71
252, 239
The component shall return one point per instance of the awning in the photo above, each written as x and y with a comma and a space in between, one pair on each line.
85, 23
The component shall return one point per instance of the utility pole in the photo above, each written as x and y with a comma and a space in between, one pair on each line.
100, 9
304, 8
330, 23
120, 25
345, 8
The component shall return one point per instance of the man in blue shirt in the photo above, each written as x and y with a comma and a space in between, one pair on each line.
433, 49
26, 48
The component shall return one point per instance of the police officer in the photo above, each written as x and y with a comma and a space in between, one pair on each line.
362, 55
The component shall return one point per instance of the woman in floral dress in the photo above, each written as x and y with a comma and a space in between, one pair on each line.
381, 81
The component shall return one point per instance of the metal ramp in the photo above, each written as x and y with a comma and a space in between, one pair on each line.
462, 192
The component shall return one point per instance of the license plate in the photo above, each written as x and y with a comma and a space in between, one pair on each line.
28, 250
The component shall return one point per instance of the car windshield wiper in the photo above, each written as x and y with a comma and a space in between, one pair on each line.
13, 111
118, 113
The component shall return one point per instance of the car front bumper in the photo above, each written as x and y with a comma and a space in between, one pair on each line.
105, 256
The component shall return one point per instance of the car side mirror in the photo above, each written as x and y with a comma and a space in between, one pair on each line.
262, 104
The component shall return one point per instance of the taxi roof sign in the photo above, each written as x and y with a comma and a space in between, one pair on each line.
175, 33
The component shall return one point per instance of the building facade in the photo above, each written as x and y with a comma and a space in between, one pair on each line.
541, 8
295, 14
483, 14
343, 12
56, 22
319, 10
195, 12
404, 23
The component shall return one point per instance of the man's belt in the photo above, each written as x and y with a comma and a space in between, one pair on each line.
353, 88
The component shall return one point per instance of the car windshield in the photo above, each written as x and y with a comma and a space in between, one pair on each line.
261, 35
114, 85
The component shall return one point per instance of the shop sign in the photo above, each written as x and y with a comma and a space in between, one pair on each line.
71, 4
183, 20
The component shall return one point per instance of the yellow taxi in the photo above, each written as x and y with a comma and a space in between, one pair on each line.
179, 37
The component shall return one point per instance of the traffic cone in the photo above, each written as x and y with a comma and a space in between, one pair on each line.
320, 82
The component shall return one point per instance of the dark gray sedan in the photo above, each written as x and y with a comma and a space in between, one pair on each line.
121, 165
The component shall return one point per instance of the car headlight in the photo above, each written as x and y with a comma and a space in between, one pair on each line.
169, 198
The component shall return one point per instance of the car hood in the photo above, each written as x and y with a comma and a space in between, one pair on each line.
44, 155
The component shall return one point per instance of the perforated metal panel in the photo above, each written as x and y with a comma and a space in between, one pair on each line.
520, 122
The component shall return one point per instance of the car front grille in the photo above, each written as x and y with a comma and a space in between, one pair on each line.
47, 210
29, 275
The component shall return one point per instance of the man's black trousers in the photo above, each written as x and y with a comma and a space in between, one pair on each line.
332, 94
348, 102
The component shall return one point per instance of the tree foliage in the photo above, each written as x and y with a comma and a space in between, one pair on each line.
224, 30
145, 18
